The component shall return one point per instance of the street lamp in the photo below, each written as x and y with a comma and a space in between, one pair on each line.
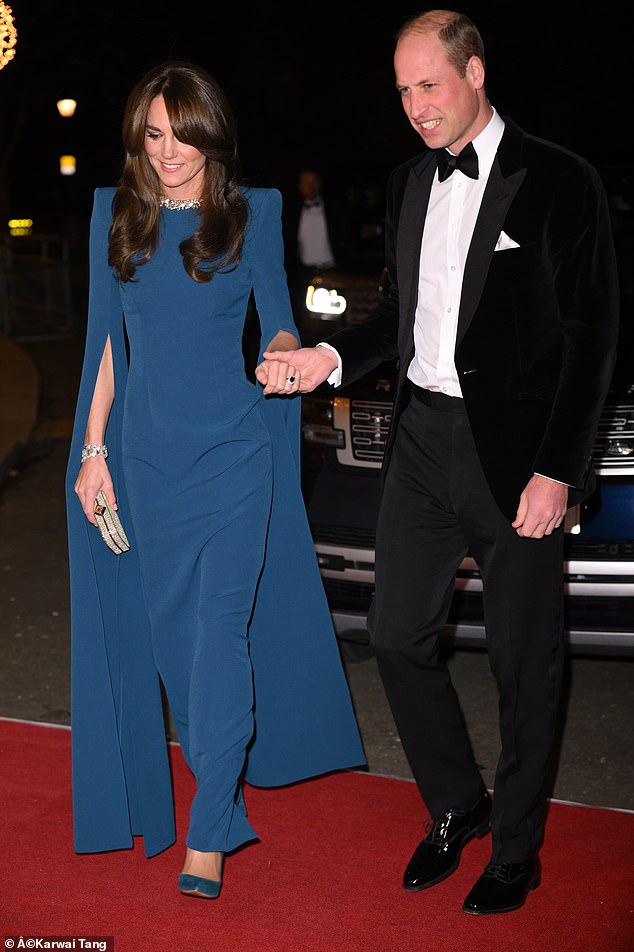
66, 107
67, 164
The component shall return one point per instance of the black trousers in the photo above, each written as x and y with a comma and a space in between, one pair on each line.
436, 506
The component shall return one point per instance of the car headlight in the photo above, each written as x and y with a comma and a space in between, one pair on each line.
317, 423
322, 300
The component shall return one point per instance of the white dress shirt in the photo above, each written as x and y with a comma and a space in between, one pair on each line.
313, 244
451, 216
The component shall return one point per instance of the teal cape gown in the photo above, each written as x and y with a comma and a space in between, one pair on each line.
220, 595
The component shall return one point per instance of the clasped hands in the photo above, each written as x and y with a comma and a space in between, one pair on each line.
309, 366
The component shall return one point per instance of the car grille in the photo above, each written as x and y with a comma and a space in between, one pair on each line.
616, 550
370, 421
344, 535
616, 429
369, 425
349, 596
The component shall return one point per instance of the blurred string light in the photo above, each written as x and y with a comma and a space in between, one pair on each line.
8, 35
66, 107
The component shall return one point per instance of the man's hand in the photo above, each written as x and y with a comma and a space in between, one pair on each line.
542, 508
309, 365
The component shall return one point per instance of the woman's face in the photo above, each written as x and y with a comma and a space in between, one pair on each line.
180, 167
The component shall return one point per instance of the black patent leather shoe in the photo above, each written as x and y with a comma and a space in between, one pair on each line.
438, 855
503, 887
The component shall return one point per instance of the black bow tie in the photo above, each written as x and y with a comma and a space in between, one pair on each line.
466, 161
314, 204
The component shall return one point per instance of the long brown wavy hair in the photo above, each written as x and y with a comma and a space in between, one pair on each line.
199, 115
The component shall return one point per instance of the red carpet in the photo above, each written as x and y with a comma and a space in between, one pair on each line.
325, 875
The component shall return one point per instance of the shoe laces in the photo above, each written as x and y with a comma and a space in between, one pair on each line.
498, 871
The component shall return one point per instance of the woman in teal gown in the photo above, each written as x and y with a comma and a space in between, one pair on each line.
219, 596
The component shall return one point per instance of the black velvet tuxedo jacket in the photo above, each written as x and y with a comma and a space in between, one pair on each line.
537, 326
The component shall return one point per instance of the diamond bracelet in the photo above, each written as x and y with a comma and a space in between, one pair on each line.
93, 449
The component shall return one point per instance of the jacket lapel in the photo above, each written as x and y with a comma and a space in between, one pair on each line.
505, 178
409, 239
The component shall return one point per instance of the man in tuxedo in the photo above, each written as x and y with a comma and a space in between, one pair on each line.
503, 316
319, 235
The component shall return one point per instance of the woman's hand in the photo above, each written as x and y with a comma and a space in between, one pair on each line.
283, 377
280, 376
310, 366
94, 476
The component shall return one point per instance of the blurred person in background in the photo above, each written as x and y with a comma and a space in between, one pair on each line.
320, 235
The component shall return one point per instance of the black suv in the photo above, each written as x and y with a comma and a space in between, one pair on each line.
344, 433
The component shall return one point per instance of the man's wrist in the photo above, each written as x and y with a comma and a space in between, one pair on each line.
334, 378
553, 480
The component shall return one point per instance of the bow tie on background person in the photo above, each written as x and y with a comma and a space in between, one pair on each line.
466, 161
314, 204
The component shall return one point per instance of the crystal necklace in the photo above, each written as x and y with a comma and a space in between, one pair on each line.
179, 203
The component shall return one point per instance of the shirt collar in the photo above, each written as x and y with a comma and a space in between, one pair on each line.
487, 142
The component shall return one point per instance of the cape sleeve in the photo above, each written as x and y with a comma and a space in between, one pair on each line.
121, 781
305, 723
265, 248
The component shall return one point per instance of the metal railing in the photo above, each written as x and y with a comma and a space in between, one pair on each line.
35, 288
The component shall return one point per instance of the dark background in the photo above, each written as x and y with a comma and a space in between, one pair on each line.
310, 83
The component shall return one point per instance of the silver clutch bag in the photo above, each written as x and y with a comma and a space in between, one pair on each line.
110, 525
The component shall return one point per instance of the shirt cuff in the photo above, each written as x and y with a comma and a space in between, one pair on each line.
554, 480
334, 378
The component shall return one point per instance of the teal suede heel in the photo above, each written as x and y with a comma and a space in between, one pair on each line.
197, 886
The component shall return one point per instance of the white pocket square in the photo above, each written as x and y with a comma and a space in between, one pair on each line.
504, 242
